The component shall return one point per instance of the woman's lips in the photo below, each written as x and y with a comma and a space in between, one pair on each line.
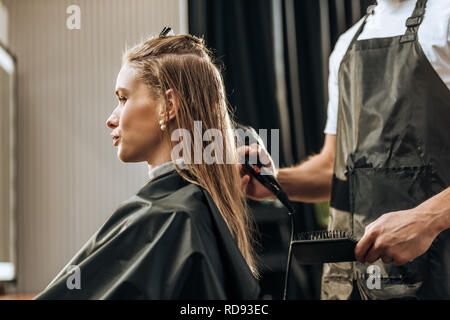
116, 141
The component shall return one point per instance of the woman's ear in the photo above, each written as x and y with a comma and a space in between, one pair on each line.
173, 104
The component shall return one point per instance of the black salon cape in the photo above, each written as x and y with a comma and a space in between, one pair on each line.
167, 242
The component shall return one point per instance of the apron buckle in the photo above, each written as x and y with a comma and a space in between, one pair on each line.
413, 21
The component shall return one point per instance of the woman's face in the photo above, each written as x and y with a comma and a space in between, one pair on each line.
135, 120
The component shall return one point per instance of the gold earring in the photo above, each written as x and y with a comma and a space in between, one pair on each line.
162, 125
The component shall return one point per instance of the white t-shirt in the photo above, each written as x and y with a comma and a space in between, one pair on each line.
389, 20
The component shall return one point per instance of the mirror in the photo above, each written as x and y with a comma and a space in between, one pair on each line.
8, 184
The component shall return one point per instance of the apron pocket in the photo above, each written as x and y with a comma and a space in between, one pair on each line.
376, 191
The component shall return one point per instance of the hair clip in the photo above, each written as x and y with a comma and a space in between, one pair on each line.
371, 9
167, 31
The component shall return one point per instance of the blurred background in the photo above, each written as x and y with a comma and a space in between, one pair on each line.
60, 176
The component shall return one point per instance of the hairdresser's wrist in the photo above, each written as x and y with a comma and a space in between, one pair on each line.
438, 210
285, 178
441, 218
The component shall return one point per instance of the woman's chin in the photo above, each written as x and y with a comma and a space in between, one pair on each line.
122, 155
126, 157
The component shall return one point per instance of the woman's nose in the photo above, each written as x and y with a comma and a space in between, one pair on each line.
113, 121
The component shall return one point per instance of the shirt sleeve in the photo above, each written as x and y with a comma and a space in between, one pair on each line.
333, 88
333, 94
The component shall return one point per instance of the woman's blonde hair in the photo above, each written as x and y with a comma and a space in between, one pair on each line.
184, 64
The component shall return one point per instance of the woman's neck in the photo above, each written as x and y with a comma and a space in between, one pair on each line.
158, 157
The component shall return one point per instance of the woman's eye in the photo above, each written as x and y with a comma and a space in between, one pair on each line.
122, 99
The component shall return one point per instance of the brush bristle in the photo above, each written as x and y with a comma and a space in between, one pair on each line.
320, 235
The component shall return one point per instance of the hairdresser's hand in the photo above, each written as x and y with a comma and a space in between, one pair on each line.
397, 237
254, 189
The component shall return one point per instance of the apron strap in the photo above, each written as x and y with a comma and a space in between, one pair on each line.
369, 11
360, 29
413, 22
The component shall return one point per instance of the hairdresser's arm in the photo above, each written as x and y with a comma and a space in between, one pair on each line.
309, 181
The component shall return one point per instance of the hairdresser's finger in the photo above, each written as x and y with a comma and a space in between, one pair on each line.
244, 182
243, 150
241, 170
261, 152
386, 258
363, 246
373, 255
253, 149
251, 152
267, 160
264, 157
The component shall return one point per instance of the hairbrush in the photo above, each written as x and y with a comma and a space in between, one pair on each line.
318, 247
323, 247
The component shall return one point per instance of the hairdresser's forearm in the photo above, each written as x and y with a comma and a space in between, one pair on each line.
438, 208
310, 181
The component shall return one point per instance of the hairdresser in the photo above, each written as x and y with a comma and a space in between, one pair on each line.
385, 163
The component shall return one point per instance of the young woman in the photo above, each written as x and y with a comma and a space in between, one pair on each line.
187, 233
